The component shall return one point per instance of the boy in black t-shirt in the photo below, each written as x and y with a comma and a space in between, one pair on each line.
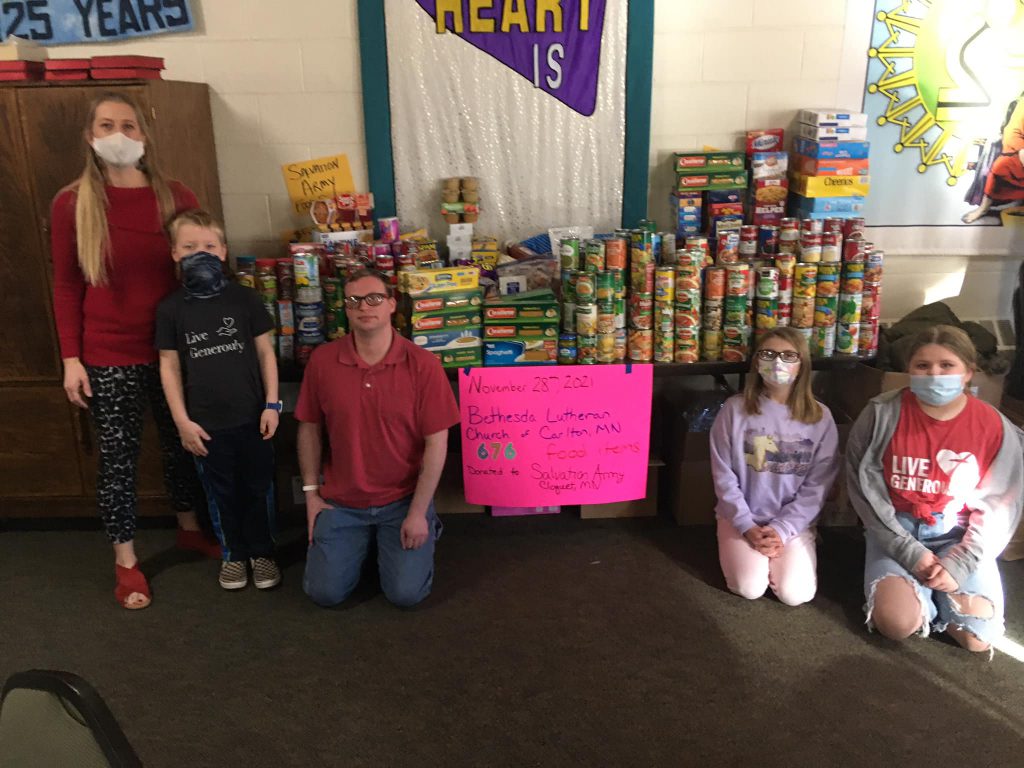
219, 375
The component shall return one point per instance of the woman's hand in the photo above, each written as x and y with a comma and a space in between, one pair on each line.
942, 581
76, 382
192, 437
927, 567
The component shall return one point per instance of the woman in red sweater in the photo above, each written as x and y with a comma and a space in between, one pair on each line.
111, 267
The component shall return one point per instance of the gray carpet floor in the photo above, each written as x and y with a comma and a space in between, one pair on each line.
547, 642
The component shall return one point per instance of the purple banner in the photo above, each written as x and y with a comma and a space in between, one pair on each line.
558, 50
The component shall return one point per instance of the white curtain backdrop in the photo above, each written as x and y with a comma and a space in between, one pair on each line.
456, 111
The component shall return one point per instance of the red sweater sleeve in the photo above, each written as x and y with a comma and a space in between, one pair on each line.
68, 281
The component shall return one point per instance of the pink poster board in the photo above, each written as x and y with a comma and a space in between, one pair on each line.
537, 436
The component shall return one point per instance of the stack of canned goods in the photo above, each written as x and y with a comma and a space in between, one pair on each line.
737, 315
309, 305
715, 298
593, 301
688, 306
641, 299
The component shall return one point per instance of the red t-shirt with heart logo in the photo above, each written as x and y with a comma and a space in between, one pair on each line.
934, 466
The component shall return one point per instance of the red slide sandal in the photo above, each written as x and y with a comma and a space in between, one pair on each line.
130, 581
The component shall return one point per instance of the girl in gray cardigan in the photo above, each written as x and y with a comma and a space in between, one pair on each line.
937, 478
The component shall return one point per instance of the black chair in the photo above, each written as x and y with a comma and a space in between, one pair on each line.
55, 719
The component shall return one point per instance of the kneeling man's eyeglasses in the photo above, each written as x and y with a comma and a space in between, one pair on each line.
371, 299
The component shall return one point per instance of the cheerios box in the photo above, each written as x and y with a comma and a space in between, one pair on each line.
422, 282
830, 186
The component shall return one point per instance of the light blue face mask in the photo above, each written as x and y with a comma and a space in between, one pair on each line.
937, 390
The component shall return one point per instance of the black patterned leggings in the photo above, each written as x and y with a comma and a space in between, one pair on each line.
119, 395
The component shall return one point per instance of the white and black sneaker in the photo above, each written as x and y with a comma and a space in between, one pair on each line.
265, 573
233, 574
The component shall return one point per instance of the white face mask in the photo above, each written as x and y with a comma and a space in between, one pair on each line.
118, 150
778, 372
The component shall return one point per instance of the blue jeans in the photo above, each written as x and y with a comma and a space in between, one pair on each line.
937, 610
341, 539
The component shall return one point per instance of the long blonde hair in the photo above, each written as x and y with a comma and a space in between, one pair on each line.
91, 228
802, 405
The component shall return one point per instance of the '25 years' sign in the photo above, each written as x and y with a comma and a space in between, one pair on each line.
56, 22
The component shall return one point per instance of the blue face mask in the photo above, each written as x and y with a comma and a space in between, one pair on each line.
202, 275
937, 390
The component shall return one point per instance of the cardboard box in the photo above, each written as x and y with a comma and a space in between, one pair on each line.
521, 511
539, 351
645, 507
437, 321
450, 496
832, 150
837, 132
831, 206
769, 165
460, 358
832, 117
770, 140
522, 331
423, 282
830, 186
691, 490
444, 302
695, 161
712, 180
812, 166
449, 339
533, 306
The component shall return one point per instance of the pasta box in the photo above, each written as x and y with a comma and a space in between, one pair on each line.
697, 162
534, 306
521, 352
523, 331
444, 320
710, 180
458, 358
448, 339
422, 282
445, 302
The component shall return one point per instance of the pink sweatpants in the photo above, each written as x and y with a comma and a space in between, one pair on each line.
792, 575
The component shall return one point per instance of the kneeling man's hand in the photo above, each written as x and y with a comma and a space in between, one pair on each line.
415, 530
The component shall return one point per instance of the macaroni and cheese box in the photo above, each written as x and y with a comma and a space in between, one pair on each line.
830, 186
421, 282
810, 166
832, 150
838, 132
521, 352
710, 180
691, 162
832, 117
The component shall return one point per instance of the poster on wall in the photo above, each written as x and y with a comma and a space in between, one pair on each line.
945, 103
527, 96
60, 22
541, 436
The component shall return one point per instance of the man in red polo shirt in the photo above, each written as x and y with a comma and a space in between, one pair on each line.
386, 406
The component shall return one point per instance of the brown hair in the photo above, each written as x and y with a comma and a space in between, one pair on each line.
362, 272
92, 232
802, 405
949, 337
197, 217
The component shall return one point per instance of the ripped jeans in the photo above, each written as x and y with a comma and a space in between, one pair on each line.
937, 609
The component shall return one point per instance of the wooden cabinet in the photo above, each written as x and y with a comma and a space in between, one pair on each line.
47, 455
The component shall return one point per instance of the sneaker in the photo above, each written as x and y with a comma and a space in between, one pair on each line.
233, 574
265, 573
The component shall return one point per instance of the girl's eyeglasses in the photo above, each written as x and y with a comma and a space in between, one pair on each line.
786, 357
371, 299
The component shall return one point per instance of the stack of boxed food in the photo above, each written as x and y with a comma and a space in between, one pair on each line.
521, 329
709, 186
442, 312
769, 185
829, 169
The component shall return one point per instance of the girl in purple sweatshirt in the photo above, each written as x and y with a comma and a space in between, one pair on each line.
774, 456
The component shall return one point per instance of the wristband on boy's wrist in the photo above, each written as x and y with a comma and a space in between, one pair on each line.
310, 488
278, 406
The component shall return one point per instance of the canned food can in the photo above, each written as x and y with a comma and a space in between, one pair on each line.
823, 341
307, 270
785, 313
828, 280
735, 310
728, 250
810, 247
668, 247
640, 305
713, 315
748, 241
789, 242
766, 313
826, 311
593, 255
688, 300
567, 349
812, 226
266, 285
569, 277
586, 320
586, 350
664, 318
664, 347
641, 277
665, 284
618, 283
767, 284
686, 319
831, 244
789, 223
867, 342
605, 318
853, 227
737, 279
786, 264
847, 338
855, 249
735, 343
873, 266
568, 317
333, 293
711, 344
606, 347
687, 348
805, 280
615, 251
586, 290
603, 286
569, 251
309, 295
656, 246
687, 277
768, 240
619, 307
286, 317
641, 346
871, 302
715, 283
621, 344
641, 246
833, 225
285, 268
802, 315
853, 277
699, 243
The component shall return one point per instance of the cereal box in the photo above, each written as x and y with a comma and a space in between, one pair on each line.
830, 186
832, 117
805, 206
832, 150
769, 140
810, 166
838, 132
